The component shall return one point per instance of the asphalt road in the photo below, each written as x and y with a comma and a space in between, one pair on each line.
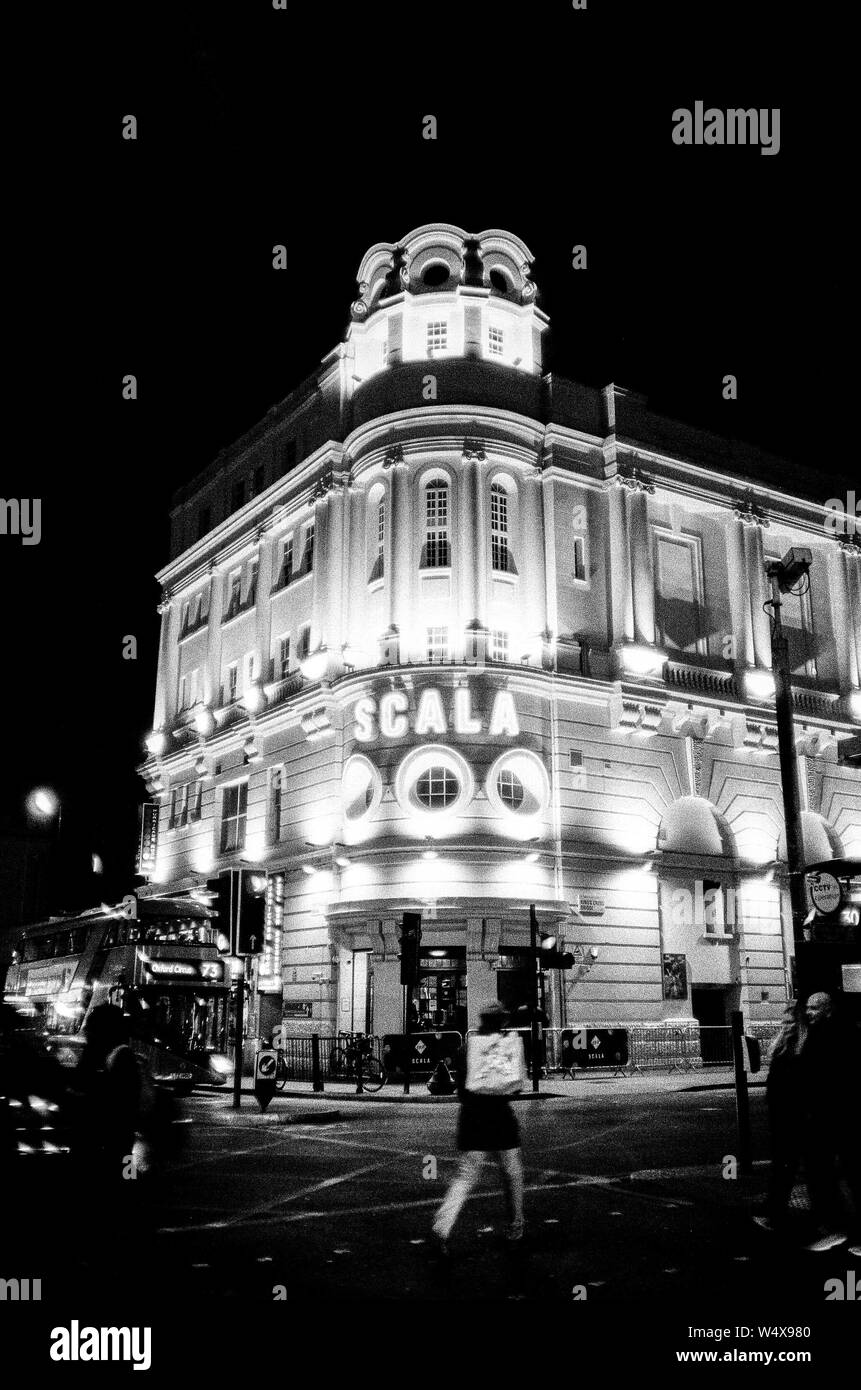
626, 1199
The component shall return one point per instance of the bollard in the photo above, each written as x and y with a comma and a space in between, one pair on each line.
316, 1073
359, 1087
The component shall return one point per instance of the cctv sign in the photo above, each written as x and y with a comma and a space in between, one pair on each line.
825, 893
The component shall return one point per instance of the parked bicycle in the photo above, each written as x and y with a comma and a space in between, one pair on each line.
352, 1059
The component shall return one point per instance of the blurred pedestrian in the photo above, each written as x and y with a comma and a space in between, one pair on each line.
785, 1116
829, 1080
489, 1070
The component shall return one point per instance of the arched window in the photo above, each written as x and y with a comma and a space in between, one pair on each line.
437, 550
378, 566
500, 556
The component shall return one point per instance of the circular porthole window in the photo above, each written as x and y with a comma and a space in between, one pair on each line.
510, 788
437, 789
518, 785
361, 788
434, 780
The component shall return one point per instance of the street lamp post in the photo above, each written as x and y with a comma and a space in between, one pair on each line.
783, 575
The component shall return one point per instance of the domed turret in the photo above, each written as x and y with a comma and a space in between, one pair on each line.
444, 292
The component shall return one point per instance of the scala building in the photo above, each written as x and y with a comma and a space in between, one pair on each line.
447, 633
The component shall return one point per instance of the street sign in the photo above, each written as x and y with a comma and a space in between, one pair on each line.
825, 892
594, 1047
265, 1072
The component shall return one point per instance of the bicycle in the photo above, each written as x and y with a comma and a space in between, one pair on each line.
352, 1059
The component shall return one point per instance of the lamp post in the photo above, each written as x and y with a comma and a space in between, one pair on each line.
783, 575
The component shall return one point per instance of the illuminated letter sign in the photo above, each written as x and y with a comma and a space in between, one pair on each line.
431, 715
464, 721
503, 720
393, 724
366, 708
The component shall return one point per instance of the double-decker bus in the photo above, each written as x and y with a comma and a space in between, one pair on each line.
156, 959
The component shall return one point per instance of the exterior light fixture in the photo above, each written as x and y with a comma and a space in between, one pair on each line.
43, 803
430, 852
640, 660
155, 742
204, 720
309, 869
313, 668
531, 857
759, 686
253, 699
855, 705
342, 861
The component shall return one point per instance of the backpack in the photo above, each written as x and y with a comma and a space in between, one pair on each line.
495, 1064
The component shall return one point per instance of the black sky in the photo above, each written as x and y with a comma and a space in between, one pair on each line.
258, 127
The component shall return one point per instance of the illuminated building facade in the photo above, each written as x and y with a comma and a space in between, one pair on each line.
448, 633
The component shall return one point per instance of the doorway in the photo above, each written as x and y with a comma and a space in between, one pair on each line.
710, 1007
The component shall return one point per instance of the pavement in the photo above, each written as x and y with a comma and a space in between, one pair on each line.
582, 1084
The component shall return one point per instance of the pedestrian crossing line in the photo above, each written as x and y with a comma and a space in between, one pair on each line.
268, 1216
255, 1215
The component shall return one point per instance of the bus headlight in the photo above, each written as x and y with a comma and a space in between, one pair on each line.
220, 1064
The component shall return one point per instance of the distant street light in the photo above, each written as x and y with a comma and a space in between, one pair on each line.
44, 803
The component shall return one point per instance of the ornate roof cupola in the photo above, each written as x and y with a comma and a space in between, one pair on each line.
441, 293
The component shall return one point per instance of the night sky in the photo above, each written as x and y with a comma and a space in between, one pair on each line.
258, 127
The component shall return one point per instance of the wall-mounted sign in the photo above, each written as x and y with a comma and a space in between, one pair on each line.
292, 1009
591, 904
825, 892
675, 972
148, 838
391, 716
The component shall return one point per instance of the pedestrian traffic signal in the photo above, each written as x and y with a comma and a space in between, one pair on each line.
411, 938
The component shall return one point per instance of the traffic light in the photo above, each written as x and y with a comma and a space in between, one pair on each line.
240, 903
411, 938
251, 912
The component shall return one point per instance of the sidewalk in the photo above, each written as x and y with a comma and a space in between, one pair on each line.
586, 1085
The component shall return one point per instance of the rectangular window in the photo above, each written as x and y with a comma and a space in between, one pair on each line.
437, 644
499, 645
575, 757
234, 594
437, 553
286, 573
282, 659
437, 336
233, 817
183, 692
378, 567
185, 622
193, 682
250, 669
713, 909
494, 342
303, 646
251, 592
384, 352
257, 480
499, 554
195, 801
308, 550
231, 683
237, 495
579, 571
678, 592
204, 522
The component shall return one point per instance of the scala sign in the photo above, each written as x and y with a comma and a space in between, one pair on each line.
825, 892
389, 717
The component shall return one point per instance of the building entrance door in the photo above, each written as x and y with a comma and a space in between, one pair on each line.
710, 1004
438, 1001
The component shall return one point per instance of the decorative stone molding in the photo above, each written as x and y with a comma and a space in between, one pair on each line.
849, 541
359, 307
473, 449
394, 456
634, 479
750, 512
815, 779
165, 605
761, 736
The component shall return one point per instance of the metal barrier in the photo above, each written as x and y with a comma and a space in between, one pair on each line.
426, 1050
295, 1059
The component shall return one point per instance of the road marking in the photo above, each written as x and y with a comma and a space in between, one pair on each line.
254, 1215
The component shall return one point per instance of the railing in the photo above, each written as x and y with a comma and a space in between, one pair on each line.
296, 1056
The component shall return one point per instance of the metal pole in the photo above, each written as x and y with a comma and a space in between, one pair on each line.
316, 1074
237, 1036
407, 1041
536, 993
788, 763
742, 1107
